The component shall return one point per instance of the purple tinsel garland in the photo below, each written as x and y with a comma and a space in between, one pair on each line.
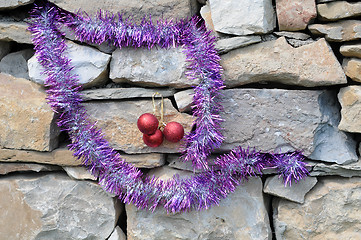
88, 144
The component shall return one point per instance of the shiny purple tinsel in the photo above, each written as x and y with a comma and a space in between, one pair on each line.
88, 144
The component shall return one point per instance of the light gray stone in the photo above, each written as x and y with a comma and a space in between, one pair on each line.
338, 10
176, 162
4, 48
11, 30
225, 45
117, 234
296, 39
155, 67
123, 93
352, 68
26, 120
277, 61
242, 215
295, 15
323, 169
158, 9
331, 210
79, 173
118, 120
260, 118
232, 17
351, 50
350, 100
55, 207
15, 63
6, 168
184, 100
90, 65
11, 4
296, 193
341, 31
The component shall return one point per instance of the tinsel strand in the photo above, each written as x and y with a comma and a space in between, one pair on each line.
201, 191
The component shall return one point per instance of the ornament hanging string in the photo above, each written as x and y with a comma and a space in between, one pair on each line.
161, 122
200, 191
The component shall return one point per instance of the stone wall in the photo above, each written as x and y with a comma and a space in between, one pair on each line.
292, 71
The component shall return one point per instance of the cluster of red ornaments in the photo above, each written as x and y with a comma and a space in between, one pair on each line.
148, 124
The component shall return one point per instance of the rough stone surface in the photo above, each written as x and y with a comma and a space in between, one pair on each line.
10, 4
122, 93
26, 121
11, 30
338, 10
331, 209
257, 18
155, 67
276, 61
351, 50
207, 17
118, 120
55, 207
150, 160
184, 100
90, 65
295, 15
323, 1
349, 170
296, 193
15, 63
283, 120
296, 39
117, 234
6, 168
79, 173
241, 215
60, 156
227, 44
352, 68
346, 30
350, 100
174, 161
158, 9
4, 48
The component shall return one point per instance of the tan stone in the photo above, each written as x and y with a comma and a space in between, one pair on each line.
138, 9
11, 30
350, 100
26, 121
352, 68
118, 120
276, 61
6, 168
331, 210
341, 31
351, 50
295, 15
338, 10
150, 160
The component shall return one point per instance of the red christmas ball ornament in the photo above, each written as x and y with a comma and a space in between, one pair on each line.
173, 132
147, 123
154, 140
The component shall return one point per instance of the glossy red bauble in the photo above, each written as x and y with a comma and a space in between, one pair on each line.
154, 140
147, 123
173, 132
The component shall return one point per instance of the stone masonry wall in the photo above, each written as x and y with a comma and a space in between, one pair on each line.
292, 71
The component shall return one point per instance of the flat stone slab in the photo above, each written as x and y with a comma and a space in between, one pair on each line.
352, 68
225, 45
122, 93
323, 169
296, 193
257, 18
16, 64
242, 215
338, 10
118, 120
27, 122
310, 65
6, 168
341, 31
55, 207
153, 68
284, 120
331, 208
351, 50
11, 30
11, 4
